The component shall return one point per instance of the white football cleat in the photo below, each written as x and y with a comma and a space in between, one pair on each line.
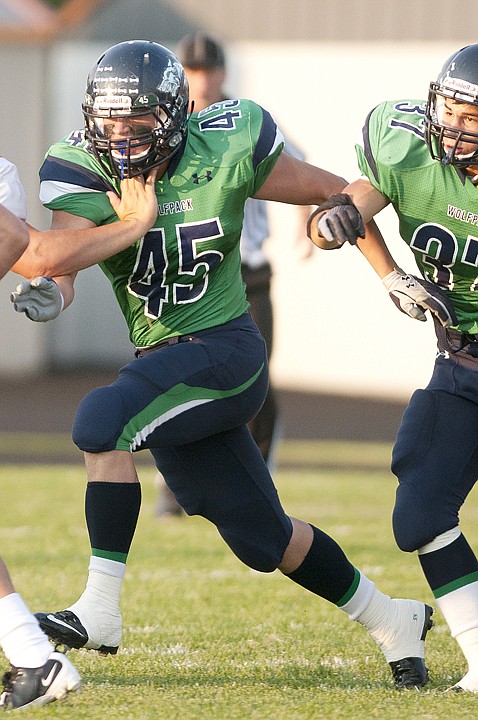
402, 640
24, 687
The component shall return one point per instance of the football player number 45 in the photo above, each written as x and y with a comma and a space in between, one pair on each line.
189, 264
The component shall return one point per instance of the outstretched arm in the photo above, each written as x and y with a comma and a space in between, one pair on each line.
341, 219
296, 182
54, 257
13, 239
348, 217
74, 243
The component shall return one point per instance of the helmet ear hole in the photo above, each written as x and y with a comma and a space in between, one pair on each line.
132, 81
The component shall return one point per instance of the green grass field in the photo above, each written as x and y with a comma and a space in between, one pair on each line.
207, 638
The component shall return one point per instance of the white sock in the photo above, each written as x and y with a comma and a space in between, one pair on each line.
360, 599
98, 607
460, 610
103, 587
395, 625
468, 641
21, 638
376, 613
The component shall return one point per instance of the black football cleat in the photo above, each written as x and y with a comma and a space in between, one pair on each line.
26, 687
411, 672
65, 629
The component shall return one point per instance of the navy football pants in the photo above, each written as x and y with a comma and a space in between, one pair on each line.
188, 404
436, 455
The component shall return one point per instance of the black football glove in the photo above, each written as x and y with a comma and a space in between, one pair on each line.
342, 222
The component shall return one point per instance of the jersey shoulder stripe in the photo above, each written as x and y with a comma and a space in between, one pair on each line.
270, 137
367, 149
57, 169
393, 142
255, 133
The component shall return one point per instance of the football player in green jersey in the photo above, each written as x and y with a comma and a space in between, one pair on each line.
200, 372
423, 158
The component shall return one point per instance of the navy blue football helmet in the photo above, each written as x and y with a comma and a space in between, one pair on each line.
135, 107
458, 81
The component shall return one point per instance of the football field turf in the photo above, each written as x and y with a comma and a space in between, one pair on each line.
207, 638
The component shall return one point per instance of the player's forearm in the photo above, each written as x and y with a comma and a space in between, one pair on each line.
374, 249
63, 252
13, 239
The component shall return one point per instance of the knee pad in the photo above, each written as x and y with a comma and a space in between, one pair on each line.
99, 420
264, 555
412, 526
425, 503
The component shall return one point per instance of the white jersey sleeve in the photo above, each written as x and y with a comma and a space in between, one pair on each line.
12, 193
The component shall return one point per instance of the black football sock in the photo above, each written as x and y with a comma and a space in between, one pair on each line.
449, 567
325, 570
112, 511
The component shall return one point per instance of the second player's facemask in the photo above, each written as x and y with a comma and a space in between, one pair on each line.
450, 145
456, 87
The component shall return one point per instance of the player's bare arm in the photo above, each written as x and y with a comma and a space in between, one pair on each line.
74, 243
296, 182
350, 218
342, 219
13, 239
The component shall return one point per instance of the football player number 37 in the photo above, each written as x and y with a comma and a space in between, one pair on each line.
175, 275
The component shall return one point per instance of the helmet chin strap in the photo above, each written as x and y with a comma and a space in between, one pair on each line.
121, 165
451, 155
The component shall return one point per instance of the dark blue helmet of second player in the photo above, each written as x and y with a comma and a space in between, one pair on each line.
457, 82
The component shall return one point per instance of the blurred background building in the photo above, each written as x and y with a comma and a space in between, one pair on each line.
318, 65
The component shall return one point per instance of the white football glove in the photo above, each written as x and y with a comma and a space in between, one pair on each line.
40, 299
413, 296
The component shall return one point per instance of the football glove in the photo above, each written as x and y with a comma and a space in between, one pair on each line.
414, 296
40, 299
342, 222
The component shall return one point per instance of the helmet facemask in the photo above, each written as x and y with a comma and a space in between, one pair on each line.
437, 131
457, 85
149, 138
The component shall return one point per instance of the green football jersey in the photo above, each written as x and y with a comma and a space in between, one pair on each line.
437, 205
184, 275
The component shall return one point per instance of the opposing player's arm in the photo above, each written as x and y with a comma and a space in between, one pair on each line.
74, 243
13, 239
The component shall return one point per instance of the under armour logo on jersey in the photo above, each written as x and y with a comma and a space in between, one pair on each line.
197, 178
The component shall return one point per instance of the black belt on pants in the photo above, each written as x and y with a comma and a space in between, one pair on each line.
140, 352
190, 337
238, 323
